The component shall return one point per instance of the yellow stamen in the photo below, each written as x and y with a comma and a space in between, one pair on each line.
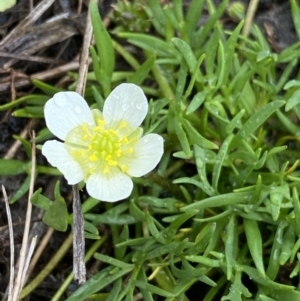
103, 147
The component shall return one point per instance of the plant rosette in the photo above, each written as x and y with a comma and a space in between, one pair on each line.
105, 150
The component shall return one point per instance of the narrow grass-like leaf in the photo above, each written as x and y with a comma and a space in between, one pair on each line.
273, 266
150, 43
26, 144
21, 191
29, 112
178, 11
12, 167
201, 35
116, 289
170, 232
153, 229
157, 11
104, 47
221, 200
153, 289
192, 18
200, 157
219, 161
229, 52
254, 240
220, 72
48, 89
288, 124
97, 283
202, 239
96, 64
235, 122
121, 219
186, 51
182, 138
196, 102
143, 71
181, 81
212, 46
89, 227
293, 101
196, 137
296, 205
113, 261
128, 57
265, 281
231, 241
296, 16
186, 180
203, 260
147, 295
171, 17
288, 242
256, 120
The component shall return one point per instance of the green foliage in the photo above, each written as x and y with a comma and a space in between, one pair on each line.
222, 209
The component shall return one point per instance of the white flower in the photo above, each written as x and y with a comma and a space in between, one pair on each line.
103, 149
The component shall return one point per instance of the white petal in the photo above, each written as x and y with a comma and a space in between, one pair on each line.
58, 156
148, 152
127, 102
65, 111
117, 186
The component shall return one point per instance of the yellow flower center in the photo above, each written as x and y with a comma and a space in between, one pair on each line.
98, 148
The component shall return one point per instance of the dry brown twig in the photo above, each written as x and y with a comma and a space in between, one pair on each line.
249, 17
19, 280
15, 146
12, 248
43, 76
79, 268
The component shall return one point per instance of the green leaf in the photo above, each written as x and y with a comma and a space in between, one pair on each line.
192, 18
197, 101
29, 112
219, 161
196, 137
26, 144
143, 71
254, 241
153, 289
211, 53
201, 35
187, 53
90, 228
293, 101
296, 16
273, 266
124, 236
221, 200
21, 190
57, 215
152, 44
182, 138
104, 47
288, 124
113, 261
258, 118
265, 281
11, 167
48, 89
231, 245
288, 242
97, 282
